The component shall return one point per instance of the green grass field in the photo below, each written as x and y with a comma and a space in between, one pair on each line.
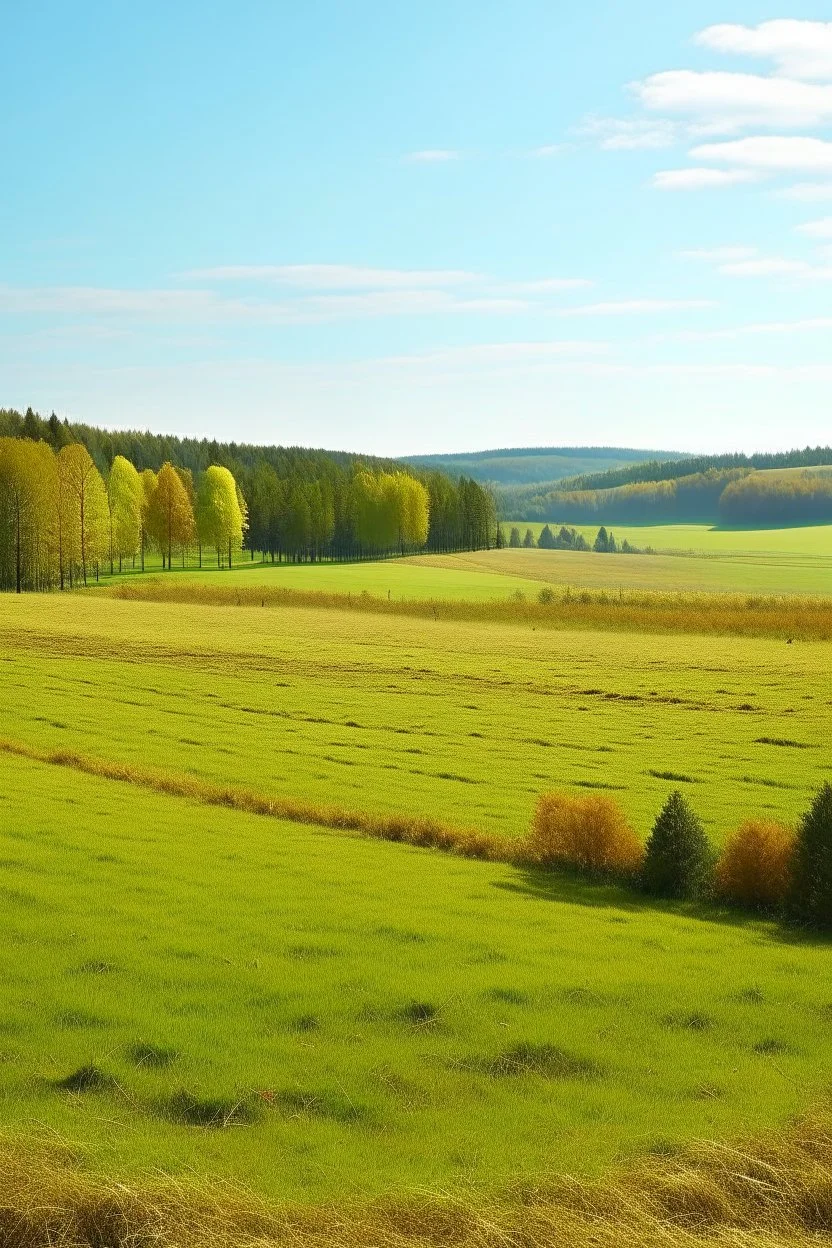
323, 1017
467, 722
784, 561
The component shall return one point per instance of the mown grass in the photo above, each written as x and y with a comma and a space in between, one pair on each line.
221, 997
463, 723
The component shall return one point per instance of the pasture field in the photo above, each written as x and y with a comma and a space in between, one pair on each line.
217, 995
766, 561
800, 545
465, 722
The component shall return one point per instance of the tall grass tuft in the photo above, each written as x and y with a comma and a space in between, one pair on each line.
588, 833
769, 1191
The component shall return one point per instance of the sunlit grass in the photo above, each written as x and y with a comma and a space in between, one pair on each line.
202, 991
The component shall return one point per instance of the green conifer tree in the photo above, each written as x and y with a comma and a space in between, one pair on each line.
811, 895
678, 859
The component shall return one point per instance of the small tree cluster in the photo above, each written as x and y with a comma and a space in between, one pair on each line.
763, 865
605, 542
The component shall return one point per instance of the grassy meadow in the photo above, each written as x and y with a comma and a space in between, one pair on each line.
687, 559
465, 722
218, 995
211, 994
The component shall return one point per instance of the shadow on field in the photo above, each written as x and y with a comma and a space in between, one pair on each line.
576, 890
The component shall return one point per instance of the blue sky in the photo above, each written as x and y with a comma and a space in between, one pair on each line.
395, 228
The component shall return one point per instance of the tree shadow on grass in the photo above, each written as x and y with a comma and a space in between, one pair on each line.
603, 894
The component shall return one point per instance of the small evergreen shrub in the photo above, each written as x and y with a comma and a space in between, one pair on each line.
755, 866
590, 833
678, 859
811, 892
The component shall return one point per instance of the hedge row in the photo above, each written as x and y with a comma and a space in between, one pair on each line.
763, 865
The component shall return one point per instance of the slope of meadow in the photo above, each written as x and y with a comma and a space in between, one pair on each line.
217, 995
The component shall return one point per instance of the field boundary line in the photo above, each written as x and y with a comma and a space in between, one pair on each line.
420, 831
784, 617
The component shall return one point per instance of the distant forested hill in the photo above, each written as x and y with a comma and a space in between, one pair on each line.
539, 464
793, 487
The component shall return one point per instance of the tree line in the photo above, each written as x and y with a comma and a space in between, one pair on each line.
63, 521
735, 496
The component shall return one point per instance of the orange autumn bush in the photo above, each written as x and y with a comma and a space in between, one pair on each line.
755, 866
590, 833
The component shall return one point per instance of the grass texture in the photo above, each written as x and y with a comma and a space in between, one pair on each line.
732, 615
763, 1192
462, 723
226, 998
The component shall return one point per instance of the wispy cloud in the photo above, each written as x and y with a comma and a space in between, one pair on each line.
325, 277
548, 150
807, 192
821, 229
770, 153
549, 285
637, 307
630, 134
719, 255
701, 179
431, 156
805, 325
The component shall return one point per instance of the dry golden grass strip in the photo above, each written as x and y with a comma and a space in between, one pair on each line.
772, 1190
738, 615
407, 829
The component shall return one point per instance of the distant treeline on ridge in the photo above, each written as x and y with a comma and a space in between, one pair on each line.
741, 490
76, 502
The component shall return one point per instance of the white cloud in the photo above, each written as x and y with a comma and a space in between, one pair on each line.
766, 266
201, 307
723, 103
799, 49
778, 266
637, 307
699, 179
502, 353
772, 153
333, 276
807, 325
549, 285
807, 192
431, 156
630, 134
821, 229
719, 255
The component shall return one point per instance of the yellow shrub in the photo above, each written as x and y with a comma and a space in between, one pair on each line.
590, 833
755, 865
